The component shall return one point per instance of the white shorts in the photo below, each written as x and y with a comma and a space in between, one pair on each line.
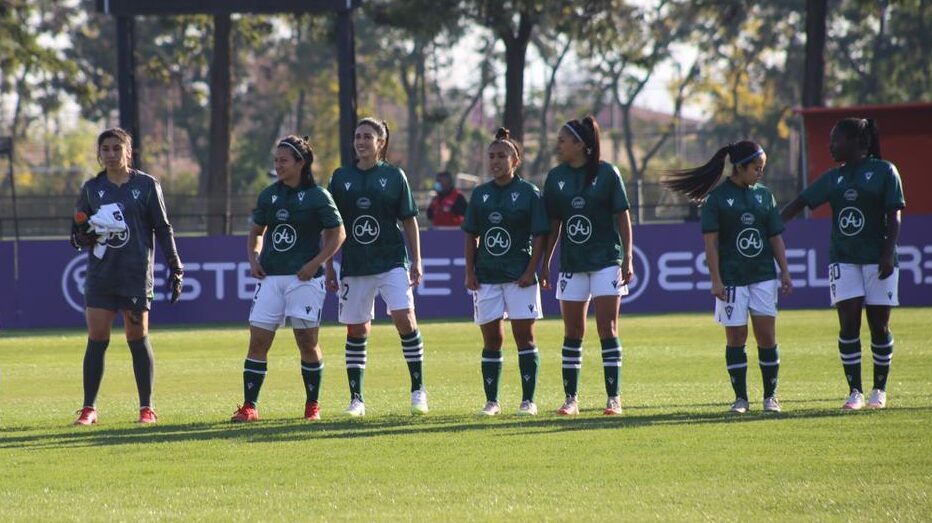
850, 280
581, 286
280, 297
506, 300
760, 299
357, 295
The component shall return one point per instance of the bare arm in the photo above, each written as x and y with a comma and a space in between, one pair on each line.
779, 254
889, 243
551, 245
627, 237
253, 248
470, 244
792, 209
537, 252
413, 235
333, 238
711, 258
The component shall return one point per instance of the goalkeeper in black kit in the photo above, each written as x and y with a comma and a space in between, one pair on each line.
118, 216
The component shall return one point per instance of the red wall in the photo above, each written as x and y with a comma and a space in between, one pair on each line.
905, 140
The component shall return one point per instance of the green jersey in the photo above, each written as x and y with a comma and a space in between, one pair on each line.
293, 219
372, 201
745, 218
589, 240
505, 218
860, 196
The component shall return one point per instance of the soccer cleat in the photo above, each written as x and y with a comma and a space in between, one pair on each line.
569, 408
311, 411
88, 416
491, 408
877, 399
356, 408
612, 406
855, 401
419, 402
147, 415
245, 414
527, 408
740, 406
771, 404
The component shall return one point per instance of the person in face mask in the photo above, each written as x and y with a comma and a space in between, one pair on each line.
448, 207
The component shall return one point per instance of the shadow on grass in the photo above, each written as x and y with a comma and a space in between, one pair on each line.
285, 430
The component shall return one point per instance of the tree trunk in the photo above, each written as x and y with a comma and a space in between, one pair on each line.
814, 74
218, 195
515, 60
543, 152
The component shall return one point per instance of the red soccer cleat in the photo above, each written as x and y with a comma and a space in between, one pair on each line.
245, 414
311, 411
147, 415
88, 416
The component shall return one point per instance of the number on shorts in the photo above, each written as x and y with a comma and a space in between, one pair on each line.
256, 295
345, 292
730, 294
834, 271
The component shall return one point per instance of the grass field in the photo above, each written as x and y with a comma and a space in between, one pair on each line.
674, 455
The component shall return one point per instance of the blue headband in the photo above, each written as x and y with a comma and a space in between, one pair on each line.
749, 158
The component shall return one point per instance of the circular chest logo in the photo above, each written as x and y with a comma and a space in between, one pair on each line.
497, 241
578, 202
118, 240
364, 203
72, 282
578, 229
851, 195
282, 215
284, 237
850, 221
495, 217
747, 218
749, 242
365, 229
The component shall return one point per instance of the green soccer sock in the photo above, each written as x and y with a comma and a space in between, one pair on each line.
736, 361
528, 365
850, 352
882, 350
769, 361
572, 364
491, 372
413, 348
611, 364
253, 375
312, 373
355, 352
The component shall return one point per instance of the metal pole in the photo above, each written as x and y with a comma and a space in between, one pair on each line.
126, 79
346, 66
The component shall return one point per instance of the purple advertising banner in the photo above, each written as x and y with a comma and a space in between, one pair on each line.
669, 261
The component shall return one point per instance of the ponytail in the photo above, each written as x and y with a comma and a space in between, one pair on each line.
872, 133
381, 130
587, 132
300, 148
696, 183
866, 132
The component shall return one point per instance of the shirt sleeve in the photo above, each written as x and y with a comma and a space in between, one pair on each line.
158, 215
893, 192
619, 195
259, 213
327, 212
540, 224
407, 207
708, 214
818, 193
774, 222
469, 224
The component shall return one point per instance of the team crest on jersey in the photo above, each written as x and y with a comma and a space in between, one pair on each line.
282, 215
100, 193
485, 197
868, 174
850, 221
731, 201
749, 242
560, 184
839, 179
364, 203
136, 194
284, 237
274, 198
383, 182
514, 197
497, 241
365, 229
578, 229
578, 202
747, 218
760, 199
728, 310
851, 195
301, 196
348, 185
495, 217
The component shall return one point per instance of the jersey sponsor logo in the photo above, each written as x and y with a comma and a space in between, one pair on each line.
749, 242
364, 203
282, 215
731, 201
851, 195
136, 193
497, 241
868, 174
365, 229
485, 198
495, 217
578, 202
383, 182
284, 237
118, 240
850, 221
747, 218
560, 184
578, 229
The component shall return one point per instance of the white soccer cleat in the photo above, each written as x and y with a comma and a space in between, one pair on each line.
356, 409
771, 404
877, 399
612, 406
740, 406
855, 401
527, 408
419, 402
491, 409
570, 407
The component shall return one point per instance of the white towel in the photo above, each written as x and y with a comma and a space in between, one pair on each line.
107, 221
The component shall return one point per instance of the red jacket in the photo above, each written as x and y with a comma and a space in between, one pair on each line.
447, 210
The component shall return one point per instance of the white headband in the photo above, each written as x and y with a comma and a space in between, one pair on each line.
508, 142
570, 127
283, 142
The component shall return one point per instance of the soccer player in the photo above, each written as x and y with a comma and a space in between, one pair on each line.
866, 196
588, 210
742, 230
127, 207
506, 231
285, 253
373, 196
